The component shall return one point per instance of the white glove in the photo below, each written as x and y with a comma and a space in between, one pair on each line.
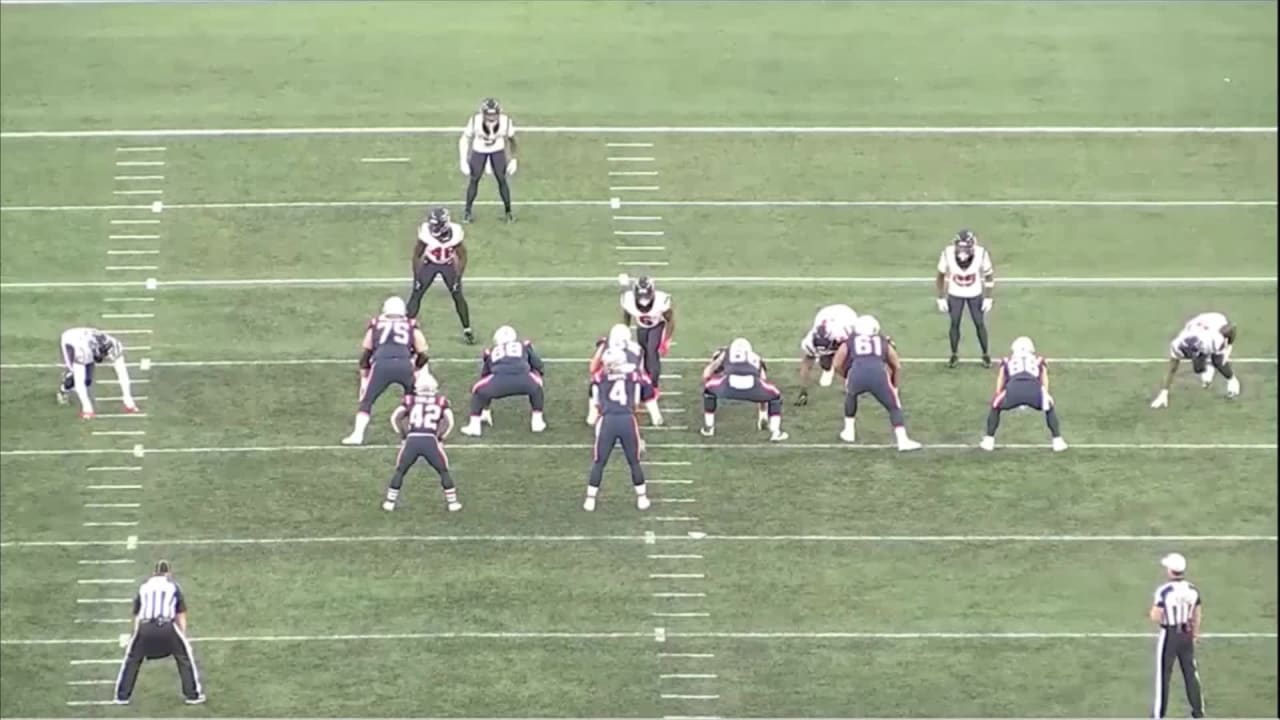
942, 305
1233, 387
986, 304
1162, 400
511, 167
464, 167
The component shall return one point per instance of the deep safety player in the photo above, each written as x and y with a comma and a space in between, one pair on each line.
655, 320
1023, 381
966, 278
831, 326
509, 368
439, 252
82, 350
618, 388
423, 420
738, 373
393, 349
488, 143
619, 337
1206, 341
870, 365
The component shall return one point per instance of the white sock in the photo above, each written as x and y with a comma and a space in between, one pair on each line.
900, 433
451, 495
362, 422
709, 419
537, 416
592, 491
848, 425
640, 489
775, 424
392, 495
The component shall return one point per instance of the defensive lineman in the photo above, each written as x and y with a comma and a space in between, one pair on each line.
869, 364
617, 388
738, 373
619, 337
439, 252
1023, 381
392, 350
966, 278
424, 420
1206, 341
82, 349
159, 631
655, 319
1176, 609
831, 326
488, 142
509, 368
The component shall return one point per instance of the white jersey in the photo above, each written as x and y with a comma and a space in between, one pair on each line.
1206, 329
653, 317
440, 252
488, 137
965, 282
79, 347
838, 321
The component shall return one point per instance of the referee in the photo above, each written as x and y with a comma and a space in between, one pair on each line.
1176, 609
159, 631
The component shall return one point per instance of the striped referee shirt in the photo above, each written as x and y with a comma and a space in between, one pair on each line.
159, 598
1177, 600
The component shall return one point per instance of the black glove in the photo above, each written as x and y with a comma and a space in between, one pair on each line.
802, 398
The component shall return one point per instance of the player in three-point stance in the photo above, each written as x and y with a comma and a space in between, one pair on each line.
966, 278
738, 373
488, 143
1206, 341
423, 420
509, 368
869, 363
439, 252
1023, 381
83, 349
619, 337
831, 326
392, 351
655, 320
617, 388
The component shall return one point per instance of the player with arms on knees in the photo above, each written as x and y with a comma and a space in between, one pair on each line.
393, 349
83, 349
1023, 381
966, 278
655, 319
1206, 341
439, 252
488, 142
617, 388
738, 373
423, 420
869, 364
509, 368
831, 326
619, 337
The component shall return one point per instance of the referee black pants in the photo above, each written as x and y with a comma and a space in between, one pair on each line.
1176, 645
154, 640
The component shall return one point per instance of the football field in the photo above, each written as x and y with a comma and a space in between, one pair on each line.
233, 190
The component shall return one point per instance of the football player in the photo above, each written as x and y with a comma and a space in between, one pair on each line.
1206, 341
1023, 381
869, 363
439, 252
83, 349
619, 337
966, 278
509, 368
831, 326
488, 143
617, 388
655, 321
392, 350
738, 373
424, 419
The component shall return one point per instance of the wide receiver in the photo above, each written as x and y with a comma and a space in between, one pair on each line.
1023, 381
488, 144
509, 368
393, 349
869, 363
82, 349
423, 437
966, 278
831, 326
655, 320
738, 373
1206, 341
617, 388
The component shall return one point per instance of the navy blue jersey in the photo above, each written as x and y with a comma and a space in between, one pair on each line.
1023, 366
513, 358
867, 350
426, 411
391, 338
620, 393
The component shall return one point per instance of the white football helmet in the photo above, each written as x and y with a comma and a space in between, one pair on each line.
619, 335
425, 382
740, 346
504, 334
1023, 345
394, 305
615, 360
866, 325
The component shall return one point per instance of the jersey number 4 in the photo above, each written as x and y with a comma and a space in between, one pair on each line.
397, 330
618, 392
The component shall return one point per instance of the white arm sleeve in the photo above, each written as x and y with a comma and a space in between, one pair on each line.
942, 262
122, 375
511, 127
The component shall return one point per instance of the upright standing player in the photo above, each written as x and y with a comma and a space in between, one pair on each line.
1206, 341
83, 349
619, 337
1023, 381
655, 321
392, 350
738, 373
870, 364
618, 388
488, 142
966, 278
509, 368
439, 252
423, 420
831, 326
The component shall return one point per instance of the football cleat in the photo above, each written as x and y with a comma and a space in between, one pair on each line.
467, 217
986, 361
86, 414
131, 409
537, 424
642, 502
468, 336
509, 218
908, 445
953, 362
848, 436
988, 443
707, 431
62, 397
778, 436
455, 506
828, 376
388, 505
353, 439
1161, 401
471, 429
1059, 444
589, 504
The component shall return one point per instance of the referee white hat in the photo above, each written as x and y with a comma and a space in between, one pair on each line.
1174, 563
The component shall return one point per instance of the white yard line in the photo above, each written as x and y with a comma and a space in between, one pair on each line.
635, 188
113, 487
126, 316
640, 248
132, 267
384, 159
133, 252
633, 173
139, 177
643, 233
141, 148
647, 263
638, 218
127, 236
135, 222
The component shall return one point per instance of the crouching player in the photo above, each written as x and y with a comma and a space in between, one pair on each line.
619, 337
392, 350
738, 373
831, 326
617, 388
509, 368
1023, 381
82, 349
870, 364
424, 420
1206, 341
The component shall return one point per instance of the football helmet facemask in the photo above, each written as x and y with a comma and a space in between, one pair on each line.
964, 242
644, 293
438, 224
490, 108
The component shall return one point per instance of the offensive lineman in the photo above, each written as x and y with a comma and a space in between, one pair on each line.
423, 438
439, 252
619, 337
510, 367
393, 349
1206, 341
831, 326
617, 388
655, 321
738, 373
82, 349
484, 145
869, 363
960, 267
1023, 381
